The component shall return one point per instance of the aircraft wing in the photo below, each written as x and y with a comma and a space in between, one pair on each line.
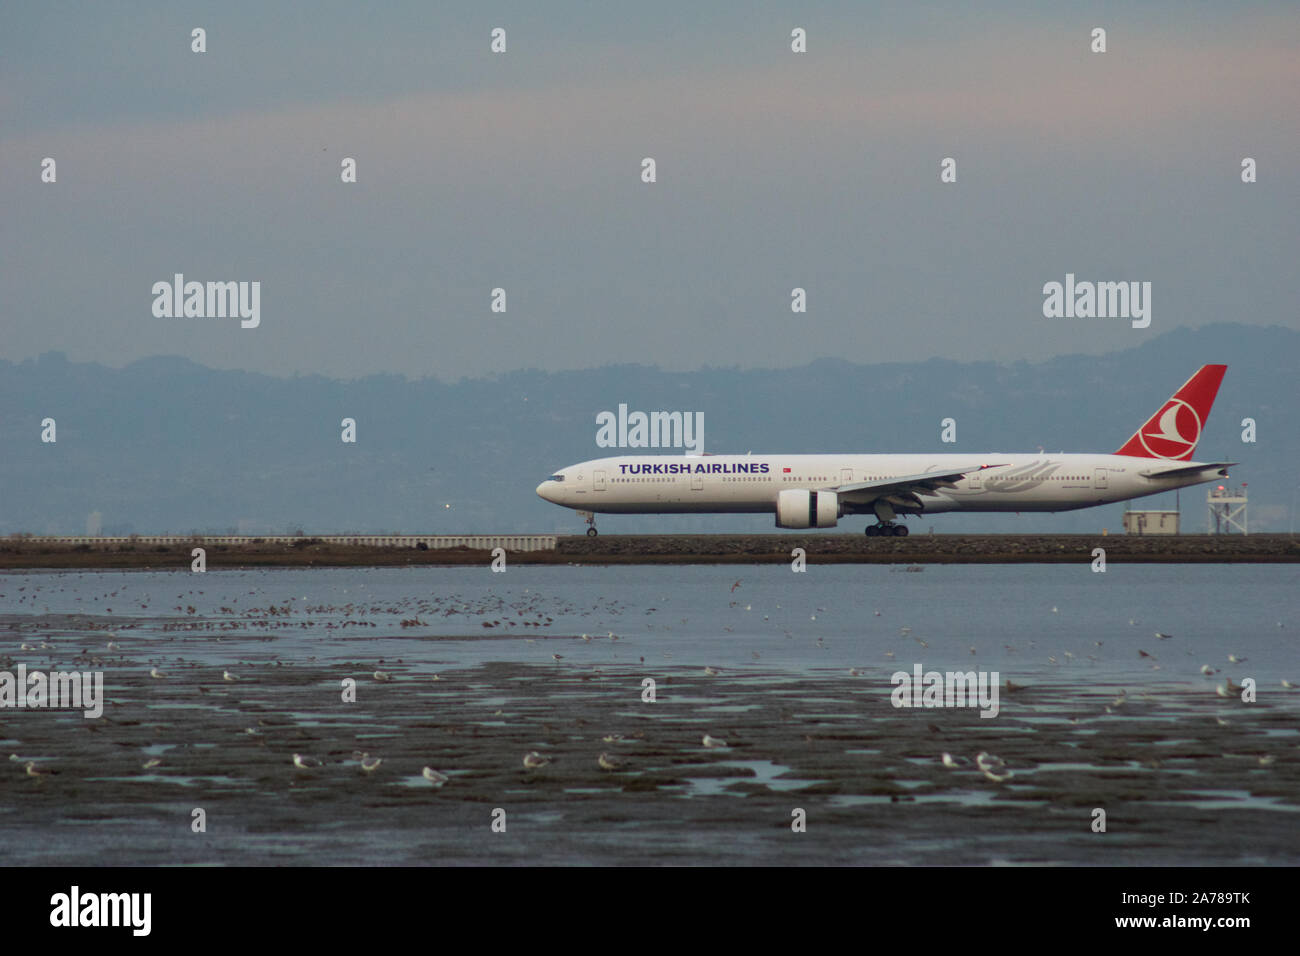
927, 484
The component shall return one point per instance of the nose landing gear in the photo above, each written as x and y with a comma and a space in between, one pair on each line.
591, 520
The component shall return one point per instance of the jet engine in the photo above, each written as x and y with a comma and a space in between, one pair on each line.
807, 509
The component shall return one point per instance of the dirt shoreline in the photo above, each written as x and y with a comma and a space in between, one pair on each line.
684, 549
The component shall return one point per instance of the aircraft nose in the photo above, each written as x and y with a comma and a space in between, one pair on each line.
545, 490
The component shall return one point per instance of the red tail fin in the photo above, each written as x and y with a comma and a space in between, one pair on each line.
1174, 430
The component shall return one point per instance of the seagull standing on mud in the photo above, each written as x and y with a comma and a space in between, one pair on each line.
954, 763
713, 741
305, 763
1228, 689
535, 761
435, 778
992, 767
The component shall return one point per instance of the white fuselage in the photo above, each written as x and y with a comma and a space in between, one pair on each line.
648, 484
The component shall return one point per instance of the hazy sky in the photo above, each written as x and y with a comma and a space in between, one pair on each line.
522, 170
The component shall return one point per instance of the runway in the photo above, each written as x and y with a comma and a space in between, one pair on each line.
826, 548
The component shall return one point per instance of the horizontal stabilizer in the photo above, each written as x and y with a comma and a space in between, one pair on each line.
1187, 471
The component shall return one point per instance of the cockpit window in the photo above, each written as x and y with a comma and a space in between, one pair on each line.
555, 478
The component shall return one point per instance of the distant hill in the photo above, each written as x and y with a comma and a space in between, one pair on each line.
167, 445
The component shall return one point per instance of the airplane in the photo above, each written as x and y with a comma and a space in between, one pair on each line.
815, 491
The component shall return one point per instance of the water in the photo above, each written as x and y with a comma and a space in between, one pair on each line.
1017, 618
803, 732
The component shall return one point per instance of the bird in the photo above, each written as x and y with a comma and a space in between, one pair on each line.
609, 762
1234, 659
151, 763
435, 778
854, 672
1012, 687
954, 762
1287, 684
305, 763
987, 761
734, 586
713, 741
33, 771
1228, 689
1207, 670
535, 761
370, 764
1161, 636
712, 671
994, 768
1266, 759
226, 675
156, 673
382, 675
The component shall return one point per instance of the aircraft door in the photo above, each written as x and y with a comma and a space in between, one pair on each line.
598, 481
1099, 478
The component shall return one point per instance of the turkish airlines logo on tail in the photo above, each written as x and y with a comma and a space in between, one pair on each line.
1172, 432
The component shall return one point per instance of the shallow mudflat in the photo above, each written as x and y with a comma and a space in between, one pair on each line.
1177, 769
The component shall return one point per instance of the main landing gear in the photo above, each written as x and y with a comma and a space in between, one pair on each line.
885, 529
591, 520
885, 515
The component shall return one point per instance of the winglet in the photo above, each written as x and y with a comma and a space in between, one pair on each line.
1173, 431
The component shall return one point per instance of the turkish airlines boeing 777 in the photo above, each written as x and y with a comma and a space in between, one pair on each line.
815, 491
